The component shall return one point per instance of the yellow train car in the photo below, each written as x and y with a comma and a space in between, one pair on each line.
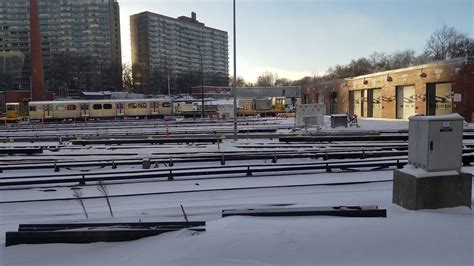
85, 109
13, 113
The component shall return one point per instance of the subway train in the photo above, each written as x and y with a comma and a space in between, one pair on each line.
119, 108
89, 109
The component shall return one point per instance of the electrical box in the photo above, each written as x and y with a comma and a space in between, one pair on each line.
311, 114
435, 142
225, 111
338, 120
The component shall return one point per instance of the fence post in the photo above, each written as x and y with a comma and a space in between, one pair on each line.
274, 159
248, 171
82, 182
328, 169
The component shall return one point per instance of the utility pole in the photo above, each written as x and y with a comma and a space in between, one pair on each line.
234, 83
169, 90
202, 85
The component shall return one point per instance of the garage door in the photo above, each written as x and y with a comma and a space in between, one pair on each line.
405, 101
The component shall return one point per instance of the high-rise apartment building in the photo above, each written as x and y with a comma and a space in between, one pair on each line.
80, 42
176, 51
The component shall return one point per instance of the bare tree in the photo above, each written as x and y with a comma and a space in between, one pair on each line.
267, 79
447, 42
282, 82
303, 81
102, 188
79, 197
240, 81
127, 78
380, 61
401, 59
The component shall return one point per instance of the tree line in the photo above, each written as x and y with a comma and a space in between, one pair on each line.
444, 43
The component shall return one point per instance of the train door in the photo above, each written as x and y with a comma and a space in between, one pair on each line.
167, 108
47, 110
119, 109
155, 108
405, 101
84, 110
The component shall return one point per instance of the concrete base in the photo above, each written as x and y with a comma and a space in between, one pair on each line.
433, 192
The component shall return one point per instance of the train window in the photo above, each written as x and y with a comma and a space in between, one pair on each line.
60, 107
142, 105
32, 108
166, 105
97, 106
11, 107
107, 106
71, 107
132, 105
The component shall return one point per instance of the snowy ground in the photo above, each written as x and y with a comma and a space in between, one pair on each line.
429, 237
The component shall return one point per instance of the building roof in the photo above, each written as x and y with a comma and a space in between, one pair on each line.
200, 24
429, 65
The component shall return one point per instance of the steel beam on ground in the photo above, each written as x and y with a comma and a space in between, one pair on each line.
344, 211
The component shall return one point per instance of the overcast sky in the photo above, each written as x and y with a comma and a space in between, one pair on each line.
295, 38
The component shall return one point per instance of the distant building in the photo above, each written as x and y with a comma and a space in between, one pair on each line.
11, 67
169, 50
248, 92
95, 95
80, 40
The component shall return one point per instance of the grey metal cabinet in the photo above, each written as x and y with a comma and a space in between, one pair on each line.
435, 142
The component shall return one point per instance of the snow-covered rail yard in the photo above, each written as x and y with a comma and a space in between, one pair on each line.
149, 181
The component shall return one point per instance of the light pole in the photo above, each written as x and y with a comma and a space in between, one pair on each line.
202, 82
234, 83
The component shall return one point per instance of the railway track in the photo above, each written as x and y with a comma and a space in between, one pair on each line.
214, 171
201, 157
169, 173
367, 138
344, 183
131, 124
182, 172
